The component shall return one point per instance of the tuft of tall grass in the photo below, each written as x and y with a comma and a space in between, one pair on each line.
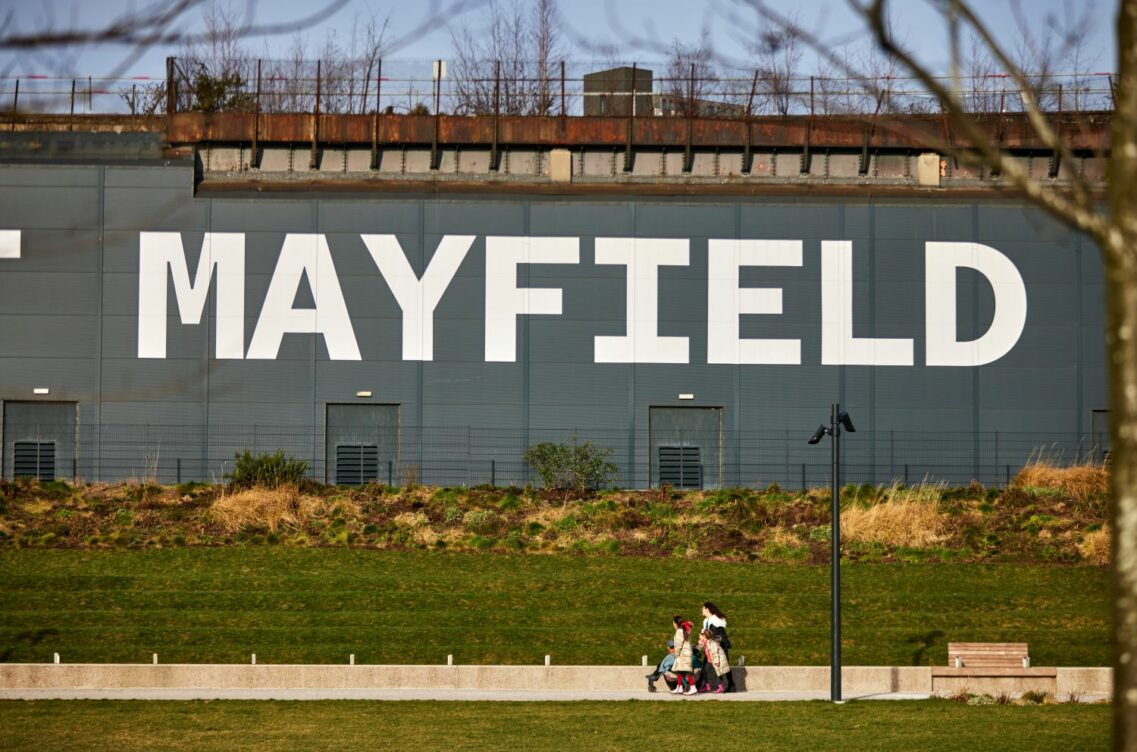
910, 517
283, 506
924, 492
1079, 482
1095, 546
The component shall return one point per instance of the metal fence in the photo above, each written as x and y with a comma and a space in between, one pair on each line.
471, 456
363, 86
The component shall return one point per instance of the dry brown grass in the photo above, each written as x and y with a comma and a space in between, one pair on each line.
923, 492
411, 520
1095, 546
780, 536
38, 506
273, 508
1079, 482
901, 521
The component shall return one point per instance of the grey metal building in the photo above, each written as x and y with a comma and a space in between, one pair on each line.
150, 327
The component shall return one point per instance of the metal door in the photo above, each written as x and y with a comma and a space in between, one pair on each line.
362, 444
686, 446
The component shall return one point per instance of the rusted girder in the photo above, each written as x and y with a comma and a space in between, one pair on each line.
1087, 132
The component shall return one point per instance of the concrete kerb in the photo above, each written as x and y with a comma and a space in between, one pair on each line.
362, 681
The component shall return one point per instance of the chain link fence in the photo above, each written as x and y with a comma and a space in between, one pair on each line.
472, 456
558, 88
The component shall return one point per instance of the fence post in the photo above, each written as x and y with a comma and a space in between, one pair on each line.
493, 473
905, 473
375, 117
786, 448
689, 157
313, 157
379, 86
390, 473
90, 95
253, 160
179, 471
803, 476
494, 162
563, 93
171, 88
15, 105
435, 154
996, 463
1008, 476
892, 453
71, 115
630, 136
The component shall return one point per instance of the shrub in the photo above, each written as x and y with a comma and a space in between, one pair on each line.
267, 470
577, 468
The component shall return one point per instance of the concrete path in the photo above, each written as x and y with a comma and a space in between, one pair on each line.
454, 695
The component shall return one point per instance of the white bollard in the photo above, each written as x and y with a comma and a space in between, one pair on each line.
548, 660
56, 657
644, 661
351, 659
741, 660
254, 659
154, 658
449, 660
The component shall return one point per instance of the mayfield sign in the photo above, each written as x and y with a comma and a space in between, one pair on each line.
162, 258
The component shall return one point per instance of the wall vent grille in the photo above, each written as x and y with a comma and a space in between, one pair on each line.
681, 466
34, 459
356, 464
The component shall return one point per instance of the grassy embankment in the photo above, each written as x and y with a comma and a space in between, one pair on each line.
870, 726
317, 605
1048, 515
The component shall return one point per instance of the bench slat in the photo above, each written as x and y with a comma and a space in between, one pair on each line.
988, 655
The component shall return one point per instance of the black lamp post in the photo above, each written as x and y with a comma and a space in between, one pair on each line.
837, 419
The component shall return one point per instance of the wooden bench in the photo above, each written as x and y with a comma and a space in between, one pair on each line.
988, 655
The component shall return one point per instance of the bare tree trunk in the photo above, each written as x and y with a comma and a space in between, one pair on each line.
1120, 250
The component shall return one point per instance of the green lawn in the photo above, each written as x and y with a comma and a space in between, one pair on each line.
882, 726
296, 605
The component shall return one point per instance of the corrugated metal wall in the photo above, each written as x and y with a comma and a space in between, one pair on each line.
69, 323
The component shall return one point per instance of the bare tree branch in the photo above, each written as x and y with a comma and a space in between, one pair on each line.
1037, 120
155, 26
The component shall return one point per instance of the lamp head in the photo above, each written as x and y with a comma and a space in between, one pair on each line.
847, 422
818, 434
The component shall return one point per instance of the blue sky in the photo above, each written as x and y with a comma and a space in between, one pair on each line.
612, 21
